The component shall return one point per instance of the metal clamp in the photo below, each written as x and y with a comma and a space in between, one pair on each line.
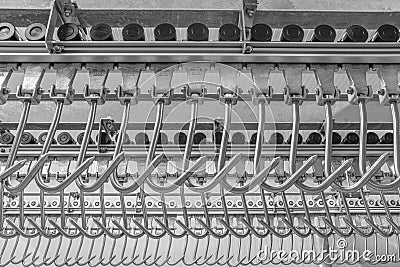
6, 71
129, 90
62, 90
161, 89
229, 90
250, 6
96, 89
358, 89
261, 90
195, 90
249, 10
389, 90
326, 91
30, 89
67, 11
294, 89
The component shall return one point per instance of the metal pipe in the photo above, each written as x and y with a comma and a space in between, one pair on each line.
225, 135
156, 132
396, 137
17, 139
260, 136
362, 158
88, 132
190, 136
328, 138
295, 137
53, 127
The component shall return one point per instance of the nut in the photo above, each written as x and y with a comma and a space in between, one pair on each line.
381, 91
350, 91
250, 12
248, 49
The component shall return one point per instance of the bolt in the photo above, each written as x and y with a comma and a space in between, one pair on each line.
57, 49
248, 49
381, 91
250, 12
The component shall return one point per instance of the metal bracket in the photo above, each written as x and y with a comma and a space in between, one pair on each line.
229, 90
6, 71
294, 89
129, 90
96, 89
62, 90
388, 75
326, 90
261, 91
161, 89
358, 89
66, 11
30, 89
195, 90
249, 10
106, 124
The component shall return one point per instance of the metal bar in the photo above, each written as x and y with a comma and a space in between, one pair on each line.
17, 140
307, 54
140, 151
328, 139
295, 137
260, 136
181, 97
396, 137
363, 137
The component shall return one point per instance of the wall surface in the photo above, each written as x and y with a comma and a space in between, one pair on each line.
217, 4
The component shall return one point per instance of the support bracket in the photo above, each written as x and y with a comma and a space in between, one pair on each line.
30, 89
129, 90
6, 71
389, 90
358, 89
261, 90
326, 90
294, 89
65, 76
96, 89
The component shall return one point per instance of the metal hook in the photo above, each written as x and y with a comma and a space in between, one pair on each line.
258, 179
126, 232
179, 181
34, 257
217, 178
25, 254
119, 263
106, 231
86, 233
148, 233
63, 232
142, 177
